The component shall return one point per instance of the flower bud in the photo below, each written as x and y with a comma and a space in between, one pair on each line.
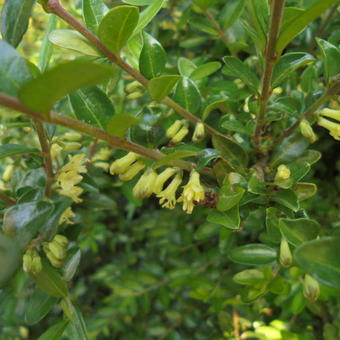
7, 175
145, 185
334, 114
134, 95
174, 128
61, 239
32, 262
72, 136
307, 131
162, 178
334, 128
282, 173
286, 258
52, 258
57, 250
73, 146
121, 165
199, 133
179, 136
132, 171
311, 288
132, 86
277, 90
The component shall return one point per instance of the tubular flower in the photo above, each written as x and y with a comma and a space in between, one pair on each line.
199, 133
120, 165
282, 173
334, 114
132, 171
174, 128
144, 186
334, 128
75, 163
102, 155
162, 178
168, 196
193, 192
179, 136
65, 217
307, 131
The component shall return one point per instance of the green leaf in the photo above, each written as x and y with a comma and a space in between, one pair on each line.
41, 93
92, 105
298, 170
249, 277
289, 63
185, 66
50, 281
229, 219
231, 12
205, 70
15, 149
188, 95
117, 26
93, 13
231, 152
74, 41
160, 87
253, 254
55, 332
152, 59
320, 258
272, 225
168, 159
229, 198
14, 70
287, 198
77, 325
119, 123
23, 221
15, 16
38, 306
297, 231
291, 30
71, 264
205, 157
206, 230
331, 57
305, 190
138, 2
212, 106
147, 15
204, 4
236, 68
10, 259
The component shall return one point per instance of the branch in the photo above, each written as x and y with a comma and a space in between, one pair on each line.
54, 6
45, 151
270, 60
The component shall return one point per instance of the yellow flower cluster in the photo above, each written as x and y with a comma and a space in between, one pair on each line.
150, 183
180, 128
69, 176
332, 126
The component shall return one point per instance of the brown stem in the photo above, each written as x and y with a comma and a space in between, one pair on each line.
54, 6
46, 154
270, 60
8, 200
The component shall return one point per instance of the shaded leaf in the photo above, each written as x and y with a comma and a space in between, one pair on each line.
168, 159
55, 332
93, 13
229, 219
188, 95
160, 87
119, 123
15, 149
205, 70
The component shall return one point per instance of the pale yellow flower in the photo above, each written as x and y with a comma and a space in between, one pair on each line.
102, 155
162, 178
193, 192
73, 193
334, 114
199, 133
307, 131
168, 195
179, 136
145, 185
282, 173
174, 128
75, 163
65, 217
334, 128
121, 165
132, 171
68, 179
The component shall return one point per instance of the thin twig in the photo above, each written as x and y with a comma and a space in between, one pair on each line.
270, 60
54, 6
46, 154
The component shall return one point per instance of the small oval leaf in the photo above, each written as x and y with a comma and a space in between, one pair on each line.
253, 254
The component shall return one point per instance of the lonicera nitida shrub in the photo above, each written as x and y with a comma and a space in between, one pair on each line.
169, 169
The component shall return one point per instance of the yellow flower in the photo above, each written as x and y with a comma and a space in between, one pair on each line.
120, 165
103, 165
65, 217
174, 128
73, 193
334, 128
75, 163
68, 179
162, 178
307, 131
335, 114
199, 133
179, 136
102, 155
72, 136
193, 192
168, 195
282, 173
132, 171
144, 186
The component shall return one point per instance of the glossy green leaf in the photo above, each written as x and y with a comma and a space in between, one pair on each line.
73, 40
152, 59
185, 66
120, 123
253, 254
206, 230
148, 14
38, 306
305, 191
331, 57
205, 70
231, 152
138, 2
92, 105
188, 95
14, 70
212, 106
249, 277
10, 259
50, 281
205, 157
15, 16
55, 332
71, 264
287, 198
93, 13
9, 150
77, 326
289, 63
41, 93
300, 21
160, 87
180, 154
272, 225
23, 221
117, 26
231, 12
298, 170
297, 231
229, 219
320, 258
229, 198
47, 47
310, 156
238, 69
